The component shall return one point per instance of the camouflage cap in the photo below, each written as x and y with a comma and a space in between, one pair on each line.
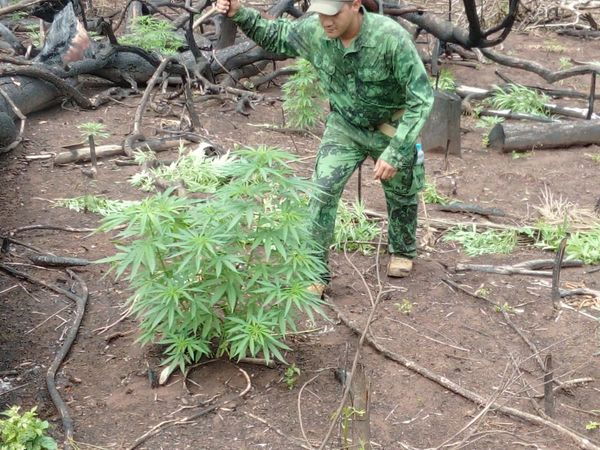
327, 7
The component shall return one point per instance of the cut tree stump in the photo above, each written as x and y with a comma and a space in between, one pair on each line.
525, 137
359, 415
442, 129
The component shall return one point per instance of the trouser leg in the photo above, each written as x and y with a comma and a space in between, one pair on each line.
337, 158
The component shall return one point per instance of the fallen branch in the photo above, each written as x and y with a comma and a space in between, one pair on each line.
51, 227
57, 261
140, 110
517, 269
81, 301
473, 209
84, 154
474, 397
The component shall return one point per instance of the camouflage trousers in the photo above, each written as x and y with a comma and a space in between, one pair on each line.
343, 148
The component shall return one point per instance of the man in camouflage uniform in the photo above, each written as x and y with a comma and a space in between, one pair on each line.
380, 98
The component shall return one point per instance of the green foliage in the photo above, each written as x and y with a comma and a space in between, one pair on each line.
554, 47
594, 157
446, 81
93, 204
405, 307
565, 63
585, 246
519, 99
505, 308
432, 197
354, 230
93, 129
195, 170
33, 32
291, 376
485, 242
348, 415
232, 269
547, 236
592, 425
521, 155
487, 122
303, 95
24, 431
153, 34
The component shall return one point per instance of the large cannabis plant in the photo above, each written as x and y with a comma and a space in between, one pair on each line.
223, 275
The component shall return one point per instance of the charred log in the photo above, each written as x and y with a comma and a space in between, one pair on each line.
525, 137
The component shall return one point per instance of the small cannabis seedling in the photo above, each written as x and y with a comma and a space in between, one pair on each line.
291, 376
92, 131
405, 307
24, 431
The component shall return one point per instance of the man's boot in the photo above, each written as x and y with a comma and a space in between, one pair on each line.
399, 266
318, 289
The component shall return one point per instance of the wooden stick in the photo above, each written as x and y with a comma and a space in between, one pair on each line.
212, 10
556, 274
548, 389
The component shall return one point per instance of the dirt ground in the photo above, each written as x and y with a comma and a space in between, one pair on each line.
104, 380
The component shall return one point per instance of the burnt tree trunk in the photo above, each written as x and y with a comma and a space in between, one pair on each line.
512, 136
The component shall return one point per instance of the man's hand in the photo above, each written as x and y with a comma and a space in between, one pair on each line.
384, 171
228, 7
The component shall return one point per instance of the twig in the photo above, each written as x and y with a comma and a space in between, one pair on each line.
150, 85
18, 6
52, 227
276, 430
560, 254
14, 389
548, 390
22, 244
429, 337
299, 406
47, 319
124, 316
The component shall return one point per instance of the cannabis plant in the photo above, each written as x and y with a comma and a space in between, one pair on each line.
154, 35
24, 431
228, 274
432, 196
445, 81
303, 96
485, 242
519, 99
354, 230
91, 131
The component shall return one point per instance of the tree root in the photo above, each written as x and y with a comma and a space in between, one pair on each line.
581, 441
81, 301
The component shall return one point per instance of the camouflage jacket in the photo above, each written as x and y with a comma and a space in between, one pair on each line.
378, 74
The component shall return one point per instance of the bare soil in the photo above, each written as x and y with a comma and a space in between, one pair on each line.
105, 381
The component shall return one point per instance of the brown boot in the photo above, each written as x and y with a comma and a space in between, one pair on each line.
399, 266
317, 289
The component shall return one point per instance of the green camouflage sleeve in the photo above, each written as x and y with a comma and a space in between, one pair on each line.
409, 72
277, 36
